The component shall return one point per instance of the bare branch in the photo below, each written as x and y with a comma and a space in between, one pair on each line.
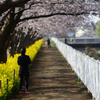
50, 15
4, 6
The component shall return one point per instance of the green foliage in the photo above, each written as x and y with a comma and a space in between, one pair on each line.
98, 28
78, 82
85, 92
52, 43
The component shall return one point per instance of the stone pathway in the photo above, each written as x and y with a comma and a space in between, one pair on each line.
51, 78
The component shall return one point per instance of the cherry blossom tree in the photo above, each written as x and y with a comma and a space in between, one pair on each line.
28, 19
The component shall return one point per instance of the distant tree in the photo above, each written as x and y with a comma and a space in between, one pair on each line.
98, 29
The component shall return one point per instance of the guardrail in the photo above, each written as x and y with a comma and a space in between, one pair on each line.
86, 68
80, 40
83, 40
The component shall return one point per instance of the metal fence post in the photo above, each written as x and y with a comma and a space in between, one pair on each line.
7, 84
0, 84
13, 75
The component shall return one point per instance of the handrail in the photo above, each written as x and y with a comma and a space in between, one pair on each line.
80, 40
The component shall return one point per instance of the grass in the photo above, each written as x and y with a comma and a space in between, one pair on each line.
86, 92
78, 82
52, 43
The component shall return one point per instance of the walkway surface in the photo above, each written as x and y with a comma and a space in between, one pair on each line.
51, 78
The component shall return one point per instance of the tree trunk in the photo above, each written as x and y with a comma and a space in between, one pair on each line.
6, 31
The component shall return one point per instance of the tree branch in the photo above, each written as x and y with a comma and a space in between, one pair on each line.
50, 15
4, 6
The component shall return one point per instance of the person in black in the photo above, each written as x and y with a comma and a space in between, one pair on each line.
48, 41
23, 61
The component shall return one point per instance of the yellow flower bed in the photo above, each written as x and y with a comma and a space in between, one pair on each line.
6, 69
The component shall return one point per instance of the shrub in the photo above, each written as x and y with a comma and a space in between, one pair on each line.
7, 69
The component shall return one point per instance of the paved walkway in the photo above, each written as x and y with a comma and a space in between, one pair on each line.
51, 78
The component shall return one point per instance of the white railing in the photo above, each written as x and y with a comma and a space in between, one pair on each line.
86, 68
80, 40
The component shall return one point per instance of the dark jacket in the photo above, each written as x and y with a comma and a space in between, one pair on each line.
24, 61
48, 41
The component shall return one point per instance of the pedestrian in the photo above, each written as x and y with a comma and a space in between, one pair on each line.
23, 61
48, 42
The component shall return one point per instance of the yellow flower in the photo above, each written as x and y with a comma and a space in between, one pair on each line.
6, 69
